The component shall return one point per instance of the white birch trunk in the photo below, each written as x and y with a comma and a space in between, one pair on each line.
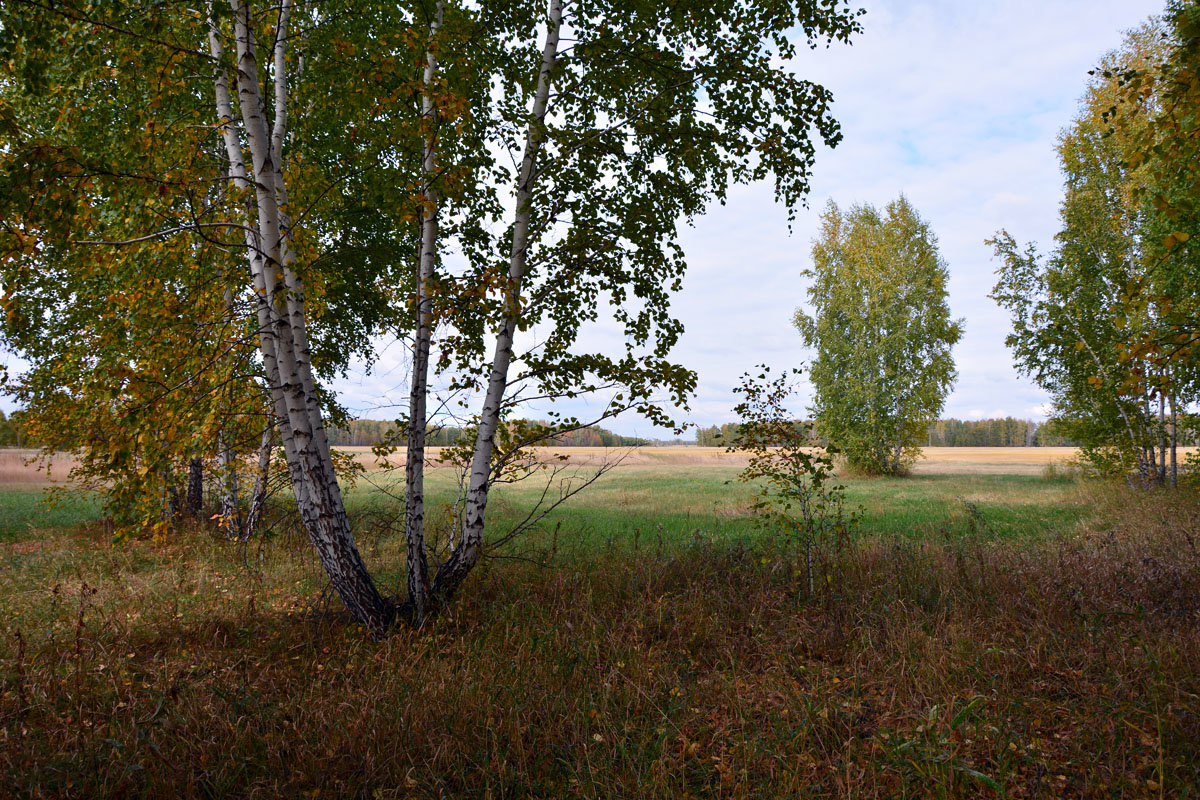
1162, 436
1174, 443
258, 497
414, 463
282, 333
231, 512
466, 554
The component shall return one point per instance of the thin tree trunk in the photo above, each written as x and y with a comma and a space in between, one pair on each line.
282, 333
195, 487
898, 448
452, 573
258, 497
1174, 442
226, 459
1162, 436
414, 463
231, 511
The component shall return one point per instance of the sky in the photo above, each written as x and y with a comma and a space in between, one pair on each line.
957, 104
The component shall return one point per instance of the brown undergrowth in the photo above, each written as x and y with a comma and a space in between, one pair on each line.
959, 668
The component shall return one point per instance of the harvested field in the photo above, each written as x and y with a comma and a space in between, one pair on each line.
16, 472
936, 460
991, 460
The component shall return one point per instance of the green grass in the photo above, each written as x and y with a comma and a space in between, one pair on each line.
998, 506
651, 505
28, 512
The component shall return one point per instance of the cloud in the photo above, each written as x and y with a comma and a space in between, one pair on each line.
1040, 411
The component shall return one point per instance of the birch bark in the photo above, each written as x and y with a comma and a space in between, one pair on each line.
1162, 435
452, 573
258, 497
230, 512
283, 339
414, 462
1174, 443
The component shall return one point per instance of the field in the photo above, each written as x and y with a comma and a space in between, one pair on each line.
996, 629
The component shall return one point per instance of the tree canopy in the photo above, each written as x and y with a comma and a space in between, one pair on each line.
1102, 322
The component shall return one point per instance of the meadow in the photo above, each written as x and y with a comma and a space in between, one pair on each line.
998, 627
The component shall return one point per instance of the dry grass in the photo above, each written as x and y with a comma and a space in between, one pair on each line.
18, 468
593, 456
934, 461
15, 471
991, 460
1066, 668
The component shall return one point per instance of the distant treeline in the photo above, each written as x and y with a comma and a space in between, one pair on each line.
1007, 432
369, 432
724, 435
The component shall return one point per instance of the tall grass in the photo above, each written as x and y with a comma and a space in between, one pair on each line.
958, 665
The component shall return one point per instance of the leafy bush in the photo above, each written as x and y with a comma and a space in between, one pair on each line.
798, 493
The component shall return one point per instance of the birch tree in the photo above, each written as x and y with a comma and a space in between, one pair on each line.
128, 184
135, 363
882, 332
622, 120
1099, 322
280, 293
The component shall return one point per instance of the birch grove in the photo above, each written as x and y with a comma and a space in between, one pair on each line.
281, 310
485, 180
1100, 322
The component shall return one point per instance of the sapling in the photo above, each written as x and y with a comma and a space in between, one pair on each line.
795, 471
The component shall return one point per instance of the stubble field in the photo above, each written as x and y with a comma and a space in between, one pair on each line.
995, 629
